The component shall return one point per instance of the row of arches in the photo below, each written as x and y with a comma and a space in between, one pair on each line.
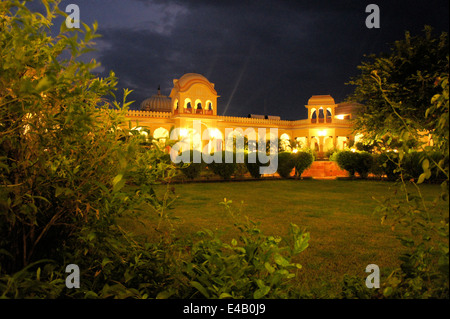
321, 115
196, 107
286, 142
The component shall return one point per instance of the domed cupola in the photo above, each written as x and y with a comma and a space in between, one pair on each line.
194, 94
157, 103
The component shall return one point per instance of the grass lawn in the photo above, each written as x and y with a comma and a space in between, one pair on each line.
346, 235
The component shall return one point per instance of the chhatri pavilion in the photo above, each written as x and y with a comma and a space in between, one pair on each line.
194, 98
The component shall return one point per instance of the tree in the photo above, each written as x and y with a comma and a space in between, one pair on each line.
408, 75
64, 157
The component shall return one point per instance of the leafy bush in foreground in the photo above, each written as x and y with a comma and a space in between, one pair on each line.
252, 267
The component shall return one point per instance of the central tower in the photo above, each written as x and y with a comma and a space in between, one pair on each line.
193, 94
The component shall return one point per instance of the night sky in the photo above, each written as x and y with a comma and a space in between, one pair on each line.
265, 57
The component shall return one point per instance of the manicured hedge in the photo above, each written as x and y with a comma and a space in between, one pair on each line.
192, 170
286, 163
387, 164
224, 170
302, 161
253, 168
354, 162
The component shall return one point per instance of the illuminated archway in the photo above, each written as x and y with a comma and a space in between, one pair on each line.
187, 105
160, 132
328, 143
313, 115
285, 142
314, 145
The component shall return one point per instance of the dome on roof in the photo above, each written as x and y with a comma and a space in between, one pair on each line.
187, 80
321, 100
191, 77
157, 103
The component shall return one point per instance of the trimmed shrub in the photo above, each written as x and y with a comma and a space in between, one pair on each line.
224, 170
411, 165
286, 164
389, 163
192, 170
241, 170
330, 152
253, 168
355, 162
302, 161
346, 160
377, 166
364, 162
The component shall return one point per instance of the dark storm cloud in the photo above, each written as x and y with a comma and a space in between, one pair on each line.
265, 57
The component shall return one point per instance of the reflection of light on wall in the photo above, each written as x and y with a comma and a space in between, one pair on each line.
322, 133
214, 133
183, 132
340, 117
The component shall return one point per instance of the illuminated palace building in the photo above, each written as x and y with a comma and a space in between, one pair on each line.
193, 99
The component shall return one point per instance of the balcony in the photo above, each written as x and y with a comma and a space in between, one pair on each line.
321, 120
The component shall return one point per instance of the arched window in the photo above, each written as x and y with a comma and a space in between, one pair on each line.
187, 103
175, 106
313, 115
328, 115
160, 133
209, 107
321, 115
285, 143
198, 107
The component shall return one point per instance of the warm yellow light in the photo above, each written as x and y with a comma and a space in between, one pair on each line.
183, 132
322, 133
214, 133
295, 151
353, 150
340, 117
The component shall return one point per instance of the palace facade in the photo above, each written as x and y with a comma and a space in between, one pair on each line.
194, 98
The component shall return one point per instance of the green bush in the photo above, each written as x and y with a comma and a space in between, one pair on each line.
377, 166
329, 153
354, 162
302, 161
286, 163
389, 163
364, 162
253, 168
190, 169
67, 171
224, 170
241, 170
346, 160
254, 266
410, 165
